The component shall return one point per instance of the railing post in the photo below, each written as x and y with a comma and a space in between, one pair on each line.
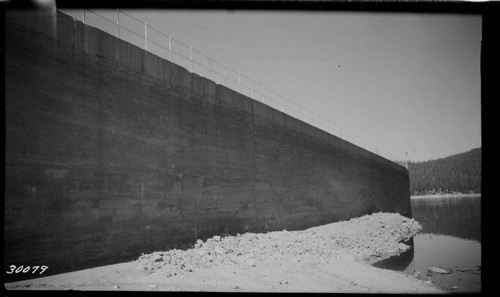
146, 35
170, 48
251, 89
239, 82
117, 23
210, 68
191, 57
262, 96
225, 75
83, 18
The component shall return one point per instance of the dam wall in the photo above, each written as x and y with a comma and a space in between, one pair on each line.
112, 152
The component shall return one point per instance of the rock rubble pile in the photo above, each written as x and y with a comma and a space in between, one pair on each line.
371, 237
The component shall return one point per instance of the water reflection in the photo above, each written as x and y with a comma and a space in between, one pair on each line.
450, 238
462, 257
455, 216
399, 262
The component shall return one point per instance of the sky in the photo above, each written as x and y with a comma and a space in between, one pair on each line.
408, 83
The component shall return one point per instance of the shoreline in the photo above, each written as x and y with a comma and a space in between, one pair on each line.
475, 195
333, 258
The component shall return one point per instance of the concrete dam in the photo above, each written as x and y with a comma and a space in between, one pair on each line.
112, 151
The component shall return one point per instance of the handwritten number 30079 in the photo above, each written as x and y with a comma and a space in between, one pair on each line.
22, 269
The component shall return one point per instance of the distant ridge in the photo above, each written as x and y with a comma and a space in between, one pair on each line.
460, 173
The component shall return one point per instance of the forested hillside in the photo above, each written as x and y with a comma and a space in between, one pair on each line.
459, 173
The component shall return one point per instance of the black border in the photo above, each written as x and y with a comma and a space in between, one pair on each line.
490, 72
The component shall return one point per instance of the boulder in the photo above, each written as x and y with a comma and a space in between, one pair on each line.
199, 243
219, 250
437, 270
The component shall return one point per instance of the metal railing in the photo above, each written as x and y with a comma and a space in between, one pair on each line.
151, 39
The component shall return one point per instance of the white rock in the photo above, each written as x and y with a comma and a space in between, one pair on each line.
437, 270
219, 250
250, 262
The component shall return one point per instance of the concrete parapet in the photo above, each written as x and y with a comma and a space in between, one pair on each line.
180, 77
209, 88
224, 96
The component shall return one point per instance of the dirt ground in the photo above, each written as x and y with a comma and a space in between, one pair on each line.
330, 258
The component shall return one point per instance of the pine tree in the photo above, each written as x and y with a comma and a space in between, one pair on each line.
457, 173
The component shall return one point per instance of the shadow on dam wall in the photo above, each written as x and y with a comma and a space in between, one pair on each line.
112, 151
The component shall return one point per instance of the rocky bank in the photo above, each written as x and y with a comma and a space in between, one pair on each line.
369, 238
330, 258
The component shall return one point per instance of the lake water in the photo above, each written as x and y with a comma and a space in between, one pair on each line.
450, 239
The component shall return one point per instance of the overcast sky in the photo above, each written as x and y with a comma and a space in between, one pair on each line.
406, 82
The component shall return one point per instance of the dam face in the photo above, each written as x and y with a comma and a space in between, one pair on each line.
112, 151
